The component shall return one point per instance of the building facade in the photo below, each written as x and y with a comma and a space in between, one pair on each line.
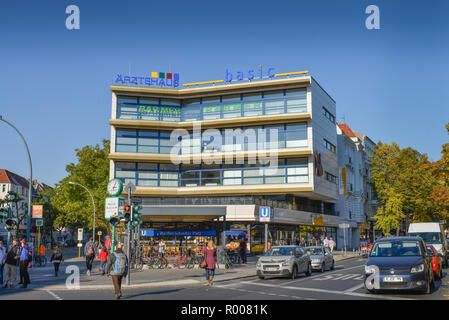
209, 157
356, 205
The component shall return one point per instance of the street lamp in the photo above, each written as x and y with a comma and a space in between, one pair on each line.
93, 202
30, 187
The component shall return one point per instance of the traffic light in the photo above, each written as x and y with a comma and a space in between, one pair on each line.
127, 213
136, 216
11, 224
3, 214
115, 221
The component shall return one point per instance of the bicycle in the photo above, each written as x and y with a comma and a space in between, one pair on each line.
39, 261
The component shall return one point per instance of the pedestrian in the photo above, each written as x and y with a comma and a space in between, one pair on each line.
302, 242
161, 249
117, 267
57, 258
42, 250
25, 258
103, 256
242, 250
331, 244
210, 256
90, 251
326, 242
2, 260
11, 261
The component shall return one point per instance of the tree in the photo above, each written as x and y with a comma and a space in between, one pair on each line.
12, 200
73, 202
440, 172
403, 185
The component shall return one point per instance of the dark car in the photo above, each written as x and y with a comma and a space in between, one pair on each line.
399, 263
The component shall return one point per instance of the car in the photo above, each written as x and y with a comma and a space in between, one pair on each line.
437, 263
432, 233
321, 257
285, 261
399, 263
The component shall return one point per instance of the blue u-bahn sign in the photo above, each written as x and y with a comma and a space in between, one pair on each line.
178, 233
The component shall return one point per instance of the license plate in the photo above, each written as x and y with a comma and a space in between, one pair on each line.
393, 279
271, 269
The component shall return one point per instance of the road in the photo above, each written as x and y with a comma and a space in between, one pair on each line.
343, 283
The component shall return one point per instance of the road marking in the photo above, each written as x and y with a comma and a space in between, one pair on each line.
332, 292
54, 295
265, 293
355, 288
320, 275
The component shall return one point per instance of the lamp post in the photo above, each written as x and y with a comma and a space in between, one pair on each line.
30, 186
93, 202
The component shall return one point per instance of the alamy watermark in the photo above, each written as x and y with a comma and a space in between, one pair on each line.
231, 146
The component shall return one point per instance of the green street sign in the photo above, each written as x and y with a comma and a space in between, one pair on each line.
39, 223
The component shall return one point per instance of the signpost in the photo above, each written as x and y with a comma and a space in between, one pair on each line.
344, 226
80, 238
99, 236
265, 216
130, 188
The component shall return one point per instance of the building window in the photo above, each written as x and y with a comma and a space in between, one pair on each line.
329, 146
294, 170
330, 177
328, 115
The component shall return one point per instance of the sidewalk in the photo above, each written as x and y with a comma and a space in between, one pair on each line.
43, 278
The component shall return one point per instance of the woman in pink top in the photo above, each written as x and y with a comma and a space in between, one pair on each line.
210, 255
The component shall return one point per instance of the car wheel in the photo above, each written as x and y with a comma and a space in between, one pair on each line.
309, 270
294, 272
261, 277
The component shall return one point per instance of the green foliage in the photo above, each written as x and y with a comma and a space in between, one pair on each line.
403, 185
72, 202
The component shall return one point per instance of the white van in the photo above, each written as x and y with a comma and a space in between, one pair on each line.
432, 233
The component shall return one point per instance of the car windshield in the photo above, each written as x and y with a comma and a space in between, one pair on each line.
281, 251
314, 251
396, 248
428, 237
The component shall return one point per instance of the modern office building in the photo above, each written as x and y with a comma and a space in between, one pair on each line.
357, 202
208, 156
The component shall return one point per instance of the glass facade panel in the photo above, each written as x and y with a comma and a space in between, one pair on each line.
170, 175
230, 106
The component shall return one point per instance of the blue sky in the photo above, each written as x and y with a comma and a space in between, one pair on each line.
390, 84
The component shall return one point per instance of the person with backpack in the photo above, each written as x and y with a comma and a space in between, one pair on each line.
57, 259
11, 261
90, 251
117, 267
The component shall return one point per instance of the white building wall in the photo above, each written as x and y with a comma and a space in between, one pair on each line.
323, 128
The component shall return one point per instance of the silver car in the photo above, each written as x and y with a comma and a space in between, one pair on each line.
321, 257
287, 261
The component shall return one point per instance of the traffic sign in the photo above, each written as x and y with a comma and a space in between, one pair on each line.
80, 234
37, 211
39, 223
264, 214
100, 233
130, 188
113, 207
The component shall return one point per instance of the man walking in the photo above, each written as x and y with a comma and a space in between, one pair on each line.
90, 251
11, 260
117, 267
25, 257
